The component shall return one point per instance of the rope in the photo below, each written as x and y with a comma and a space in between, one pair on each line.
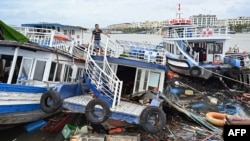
224, 76
191, 87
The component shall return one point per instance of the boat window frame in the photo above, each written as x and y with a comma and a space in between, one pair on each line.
145, 78
30, 69
66, 76
34, 68
60, 75
53, 79
158, 83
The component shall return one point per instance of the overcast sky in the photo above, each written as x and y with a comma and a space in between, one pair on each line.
105, 12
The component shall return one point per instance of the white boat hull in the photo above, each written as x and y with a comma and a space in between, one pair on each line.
183, 68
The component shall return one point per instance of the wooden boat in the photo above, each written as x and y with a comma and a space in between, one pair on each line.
32, 71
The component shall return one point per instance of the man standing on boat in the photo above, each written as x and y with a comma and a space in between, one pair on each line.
96, 35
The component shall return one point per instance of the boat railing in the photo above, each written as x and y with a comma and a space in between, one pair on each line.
142, 52
51, 38
114, 49
103, 77
182, 47
194, 32
193, 53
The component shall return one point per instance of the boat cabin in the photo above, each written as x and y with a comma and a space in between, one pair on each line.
137, 76
67, 32
205, 45
46, 60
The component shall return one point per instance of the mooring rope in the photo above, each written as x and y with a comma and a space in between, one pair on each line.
224, 76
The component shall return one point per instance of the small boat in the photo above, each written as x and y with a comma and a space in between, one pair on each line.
37, 71
231, 32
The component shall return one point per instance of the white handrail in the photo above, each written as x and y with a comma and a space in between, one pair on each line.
103, 78
142, 51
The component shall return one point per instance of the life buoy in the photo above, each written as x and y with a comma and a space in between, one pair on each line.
195, 71
50, 101
90, 111
61, 37
149, 125
215, 118
207, 32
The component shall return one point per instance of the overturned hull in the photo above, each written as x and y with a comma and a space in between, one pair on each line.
182, 67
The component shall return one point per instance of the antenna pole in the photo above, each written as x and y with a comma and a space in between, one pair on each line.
179, 10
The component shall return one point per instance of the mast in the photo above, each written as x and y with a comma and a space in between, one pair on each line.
178, 14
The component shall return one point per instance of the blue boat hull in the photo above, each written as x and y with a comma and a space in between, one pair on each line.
20, 103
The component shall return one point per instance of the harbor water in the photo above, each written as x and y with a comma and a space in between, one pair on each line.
240, 40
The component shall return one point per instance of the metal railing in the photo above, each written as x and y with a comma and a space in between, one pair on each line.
103, 77
142, 52
182, 45
46, 38
194, 32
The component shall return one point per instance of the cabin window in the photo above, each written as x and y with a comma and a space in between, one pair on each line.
52, 71
39, 70
65, 32
26, 67
58, 72
141, 80
154, 80
58, 29
67, 73
215, 48
72, 32
79, 73
77, 36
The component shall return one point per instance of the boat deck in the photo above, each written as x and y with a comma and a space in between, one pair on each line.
127, 111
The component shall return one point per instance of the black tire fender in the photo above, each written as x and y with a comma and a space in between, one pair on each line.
50, 101
193, 70
158, 125
89, 111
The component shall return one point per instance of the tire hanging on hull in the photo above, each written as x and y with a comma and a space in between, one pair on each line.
152, 126
50, 101
90, 109
195, 71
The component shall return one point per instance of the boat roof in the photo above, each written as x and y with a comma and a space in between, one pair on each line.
44, 24
11, 34
179, 25
132, 63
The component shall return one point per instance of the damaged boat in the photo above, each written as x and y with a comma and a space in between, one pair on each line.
113, 76
204, 52
37, 70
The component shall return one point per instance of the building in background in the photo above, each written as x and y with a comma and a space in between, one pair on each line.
204, 20
201, 20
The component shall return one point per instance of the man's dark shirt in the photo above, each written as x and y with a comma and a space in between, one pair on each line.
97, 34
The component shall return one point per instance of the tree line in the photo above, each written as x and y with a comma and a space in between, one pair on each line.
239, 27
